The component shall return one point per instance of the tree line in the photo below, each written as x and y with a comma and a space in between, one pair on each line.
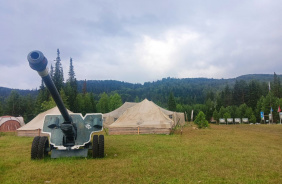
243, 100
217, 98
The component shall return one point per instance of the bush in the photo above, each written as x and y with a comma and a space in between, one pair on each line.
253, 119
201, 121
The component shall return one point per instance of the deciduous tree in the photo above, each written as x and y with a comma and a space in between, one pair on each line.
115, 101
103, 103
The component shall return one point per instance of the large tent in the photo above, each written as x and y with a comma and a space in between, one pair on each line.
177, 117
10, 123
34, 127
111, 117
143, 118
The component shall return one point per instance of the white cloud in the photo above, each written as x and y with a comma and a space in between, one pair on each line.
162, 55
141, 41
19, 77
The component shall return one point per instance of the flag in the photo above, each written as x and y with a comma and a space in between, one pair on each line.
279, 110
261, 114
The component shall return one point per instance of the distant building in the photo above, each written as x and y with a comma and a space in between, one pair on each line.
10, 123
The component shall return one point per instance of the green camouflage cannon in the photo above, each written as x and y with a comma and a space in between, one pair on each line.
69, 134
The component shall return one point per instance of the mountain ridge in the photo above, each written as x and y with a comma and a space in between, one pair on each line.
99, 86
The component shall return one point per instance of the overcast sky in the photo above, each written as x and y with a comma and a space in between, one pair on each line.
139, 41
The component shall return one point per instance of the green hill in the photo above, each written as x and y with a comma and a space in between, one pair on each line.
185, 90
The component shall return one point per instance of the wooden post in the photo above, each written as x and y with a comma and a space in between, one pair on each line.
138, 130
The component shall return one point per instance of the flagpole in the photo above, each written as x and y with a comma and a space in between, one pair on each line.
270, 103
271, 115
279, 110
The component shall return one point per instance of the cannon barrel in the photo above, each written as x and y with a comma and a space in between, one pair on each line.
37, 61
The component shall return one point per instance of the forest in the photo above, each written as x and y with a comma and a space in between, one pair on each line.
242, 97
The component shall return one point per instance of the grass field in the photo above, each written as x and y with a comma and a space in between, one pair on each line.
219, 154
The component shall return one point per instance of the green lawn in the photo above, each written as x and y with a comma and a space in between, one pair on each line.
219, 154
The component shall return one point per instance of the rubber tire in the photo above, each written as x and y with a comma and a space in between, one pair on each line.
34, 148
101, 146
43, 144
95, 147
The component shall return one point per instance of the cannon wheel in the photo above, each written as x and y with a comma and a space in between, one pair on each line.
101, 146
42, 146
34, 147
95, 147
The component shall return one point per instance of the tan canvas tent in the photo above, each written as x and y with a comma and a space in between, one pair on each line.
111, 117
177, 117
34, 127
143, 118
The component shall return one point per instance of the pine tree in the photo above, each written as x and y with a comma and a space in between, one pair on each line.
219, 101
14, 106
201, 120
29, 105
236, 97
71, 73
42, 96
84, 88
243, 109
64, 98
1, 109
215, 115
254, 94
58, 73
88, 106
137, 99
179, 108
253, 119
210, 106
85, 103
171, 102
260, 105
227, 96
240, 93
93, 102
52, 72
46, 105
79, 104
226, 115
221, 112
276, 86
71, 87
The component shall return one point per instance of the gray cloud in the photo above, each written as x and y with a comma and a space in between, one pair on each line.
139, 41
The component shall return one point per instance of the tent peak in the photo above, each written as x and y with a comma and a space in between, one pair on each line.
146, 100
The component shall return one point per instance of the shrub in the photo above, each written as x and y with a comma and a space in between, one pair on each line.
201, 121
253, 119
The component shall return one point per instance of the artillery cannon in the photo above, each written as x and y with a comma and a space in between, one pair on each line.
70, 134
